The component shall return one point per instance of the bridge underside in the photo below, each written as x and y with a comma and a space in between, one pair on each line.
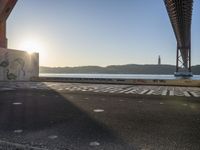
180, 14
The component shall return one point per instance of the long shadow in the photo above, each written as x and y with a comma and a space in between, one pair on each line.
47, 112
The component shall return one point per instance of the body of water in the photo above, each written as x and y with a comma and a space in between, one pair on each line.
116, 76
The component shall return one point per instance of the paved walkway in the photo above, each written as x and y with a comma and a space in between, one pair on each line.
104, 88
64, 116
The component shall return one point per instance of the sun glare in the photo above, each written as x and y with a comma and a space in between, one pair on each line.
34, 44
31, 46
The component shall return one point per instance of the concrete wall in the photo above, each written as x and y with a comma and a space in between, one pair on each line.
18, 65
156, 82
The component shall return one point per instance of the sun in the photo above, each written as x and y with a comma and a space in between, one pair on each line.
31, 46
34, 44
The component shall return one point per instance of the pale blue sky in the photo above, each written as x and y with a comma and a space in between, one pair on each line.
98, 32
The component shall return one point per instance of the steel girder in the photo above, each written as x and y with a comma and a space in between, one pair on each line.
180, 14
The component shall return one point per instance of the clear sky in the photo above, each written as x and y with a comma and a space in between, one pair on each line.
98, 32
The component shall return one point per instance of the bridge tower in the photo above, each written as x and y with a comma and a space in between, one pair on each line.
6, 7
180, 14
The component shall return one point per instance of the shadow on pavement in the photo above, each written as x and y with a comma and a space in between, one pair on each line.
42, 113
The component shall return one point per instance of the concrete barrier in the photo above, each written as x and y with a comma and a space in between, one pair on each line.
165, 82
18, 65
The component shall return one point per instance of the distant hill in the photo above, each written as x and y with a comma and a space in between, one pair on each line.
118, 69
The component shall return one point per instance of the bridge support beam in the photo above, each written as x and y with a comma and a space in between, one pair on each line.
183, 65
6, 7
3, 39
180, 15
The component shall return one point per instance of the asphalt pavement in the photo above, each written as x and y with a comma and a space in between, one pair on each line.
77, 120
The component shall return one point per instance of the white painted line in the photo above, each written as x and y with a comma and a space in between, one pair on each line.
186, 94
131, 91
108, 89
116, 90
171, 93
164, 93
126, 90
194, 94
90, 89
84, 90
150, 92
100, 90
144, 91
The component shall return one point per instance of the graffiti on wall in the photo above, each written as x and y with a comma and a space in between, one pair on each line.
18, 65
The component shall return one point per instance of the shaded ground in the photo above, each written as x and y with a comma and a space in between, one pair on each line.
67, 120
